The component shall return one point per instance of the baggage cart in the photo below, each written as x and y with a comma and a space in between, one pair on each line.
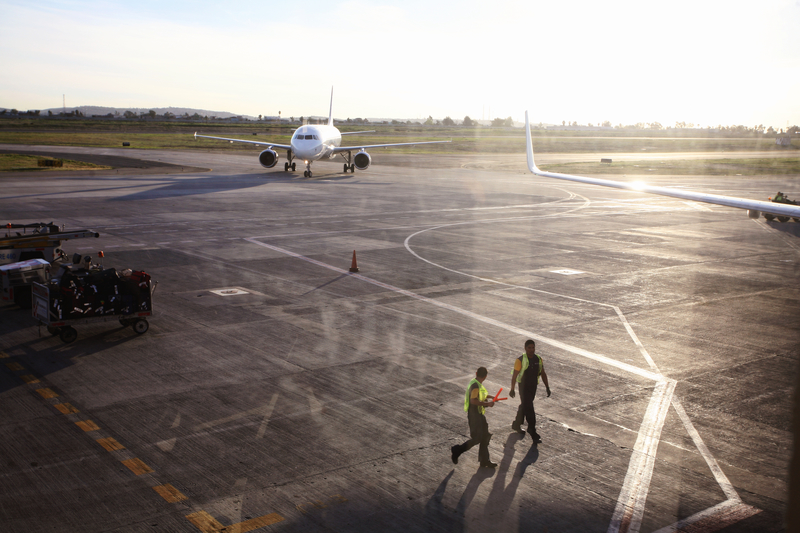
83, 297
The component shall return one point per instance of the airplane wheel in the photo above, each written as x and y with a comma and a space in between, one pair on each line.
305, 173
353, 169
346, 168
796, 219
309, 173
286, 167
294, 166
783, 219
769, 217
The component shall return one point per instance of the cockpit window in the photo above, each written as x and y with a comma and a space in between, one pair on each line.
309, 137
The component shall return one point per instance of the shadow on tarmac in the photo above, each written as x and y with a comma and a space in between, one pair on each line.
500, 498
43, 361
342, 276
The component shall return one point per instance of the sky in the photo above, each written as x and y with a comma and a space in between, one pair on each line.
705, 62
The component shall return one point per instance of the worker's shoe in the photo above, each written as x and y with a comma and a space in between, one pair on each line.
488, 464
516, 427
536, 438
454, 453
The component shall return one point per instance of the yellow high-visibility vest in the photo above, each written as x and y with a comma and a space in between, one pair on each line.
526, 364
482, 394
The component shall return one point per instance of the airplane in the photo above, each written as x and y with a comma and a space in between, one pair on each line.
754, 207
314, 142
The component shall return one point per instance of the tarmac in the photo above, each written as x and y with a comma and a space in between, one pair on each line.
275, 390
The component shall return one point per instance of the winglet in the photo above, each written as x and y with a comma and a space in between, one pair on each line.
531, 163
330, 113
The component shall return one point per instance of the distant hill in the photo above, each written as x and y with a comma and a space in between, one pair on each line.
89, 110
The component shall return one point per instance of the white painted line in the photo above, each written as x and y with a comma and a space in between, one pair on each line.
636, 340
628, 514
719, 475
258, 410
714, 518
552, 342
697, 206
567, 272
267, 414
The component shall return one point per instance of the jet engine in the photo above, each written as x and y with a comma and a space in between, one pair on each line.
362, 160
268, 158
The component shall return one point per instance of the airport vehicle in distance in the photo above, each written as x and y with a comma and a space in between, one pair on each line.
754, 207
781, 198
311, 143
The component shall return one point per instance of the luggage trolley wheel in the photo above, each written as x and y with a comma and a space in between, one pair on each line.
68, 334
140, 326
52, 330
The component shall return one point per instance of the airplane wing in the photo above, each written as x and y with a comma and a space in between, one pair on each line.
754, 207
257, 143
339, 149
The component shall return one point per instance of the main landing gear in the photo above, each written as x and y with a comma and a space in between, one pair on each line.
348, 162
290, 164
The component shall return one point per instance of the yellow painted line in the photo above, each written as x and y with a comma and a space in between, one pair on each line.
29, 378
15, 366
3, 355
170, 493
110, 444
66, 408
87, 425
208, 524
205, 522
47, 393
256, 523
137, 466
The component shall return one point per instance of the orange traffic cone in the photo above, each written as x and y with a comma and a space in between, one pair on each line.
354, 266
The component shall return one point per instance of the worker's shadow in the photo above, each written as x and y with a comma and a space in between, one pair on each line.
436, 511
502, 495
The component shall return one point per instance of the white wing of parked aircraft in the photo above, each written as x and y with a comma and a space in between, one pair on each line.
754, 207
311, 143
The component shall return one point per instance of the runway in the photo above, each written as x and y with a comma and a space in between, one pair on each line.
304, 397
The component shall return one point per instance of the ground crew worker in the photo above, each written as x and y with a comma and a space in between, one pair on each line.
475, 404
527, 370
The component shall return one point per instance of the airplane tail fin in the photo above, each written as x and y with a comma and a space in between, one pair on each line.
330, 113
531, 164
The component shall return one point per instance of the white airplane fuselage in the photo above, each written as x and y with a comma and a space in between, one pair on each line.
312, 143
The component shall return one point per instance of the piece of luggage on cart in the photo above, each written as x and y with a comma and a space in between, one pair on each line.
93, 294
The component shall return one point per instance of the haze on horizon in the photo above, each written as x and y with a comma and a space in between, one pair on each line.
707, 63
